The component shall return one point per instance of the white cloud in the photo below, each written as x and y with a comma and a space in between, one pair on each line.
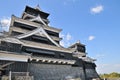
108, 68
90, 38
62, 35
4, 24
97, 9
66, 39
62, 43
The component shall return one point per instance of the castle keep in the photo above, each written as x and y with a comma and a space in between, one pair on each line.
32, 51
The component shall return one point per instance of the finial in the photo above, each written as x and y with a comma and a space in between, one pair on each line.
38, 7
78, 41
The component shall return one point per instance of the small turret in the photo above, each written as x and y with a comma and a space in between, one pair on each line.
79, 49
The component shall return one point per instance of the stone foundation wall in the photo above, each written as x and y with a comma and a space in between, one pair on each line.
56, 72
91, 72
42, 71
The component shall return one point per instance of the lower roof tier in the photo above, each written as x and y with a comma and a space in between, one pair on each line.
25, 58
12, 42
11, 56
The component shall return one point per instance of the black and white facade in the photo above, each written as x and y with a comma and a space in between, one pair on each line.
32, 46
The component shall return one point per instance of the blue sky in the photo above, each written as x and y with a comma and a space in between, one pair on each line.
96, 23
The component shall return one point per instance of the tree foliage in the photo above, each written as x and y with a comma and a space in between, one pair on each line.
111, 75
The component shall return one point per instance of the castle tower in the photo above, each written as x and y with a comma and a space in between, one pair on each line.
32, 50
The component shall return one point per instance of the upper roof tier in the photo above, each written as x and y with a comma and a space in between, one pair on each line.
35, 12
32, 24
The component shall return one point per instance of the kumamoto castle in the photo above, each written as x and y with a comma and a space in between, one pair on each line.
31, 50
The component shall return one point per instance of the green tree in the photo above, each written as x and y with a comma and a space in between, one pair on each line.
111, 75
